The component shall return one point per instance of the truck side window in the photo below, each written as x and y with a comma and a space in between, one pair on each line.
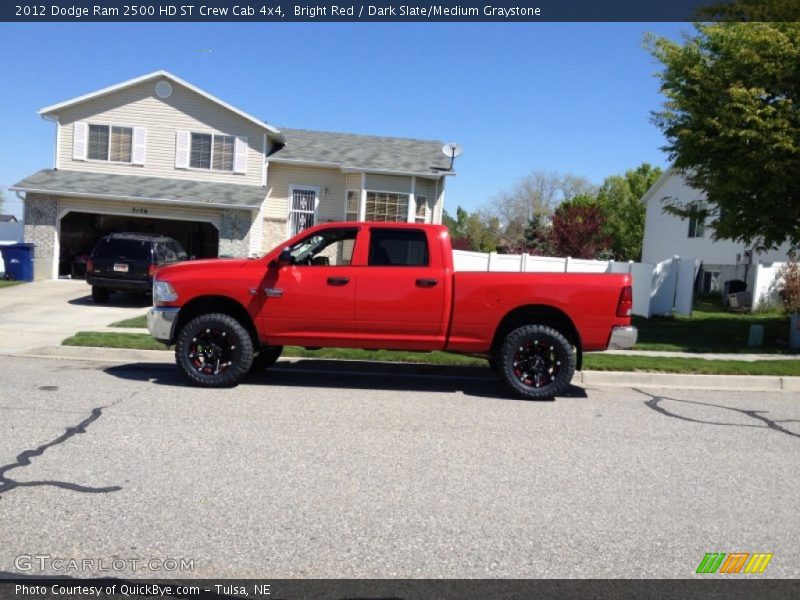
329, 248
398, 248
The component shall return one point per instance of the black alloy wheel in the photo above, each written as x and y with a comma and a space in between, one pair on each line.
214, 350
537, 362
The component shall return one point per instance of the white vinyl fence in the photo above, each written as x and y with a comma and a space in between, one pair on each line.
658, 289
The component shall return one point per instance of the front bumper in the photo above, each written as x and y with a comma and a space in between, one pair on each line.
622, 338
161, 322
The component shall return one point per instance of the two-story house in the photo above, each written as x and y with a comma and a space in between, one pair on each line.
157, 154
666, 235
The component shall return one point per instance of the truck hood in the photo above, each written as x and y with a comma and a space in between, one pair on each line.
206, 265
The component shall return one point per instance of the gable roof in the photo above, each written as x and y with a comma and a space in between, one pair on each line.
161, 74
648, 195
8, 219
375, 154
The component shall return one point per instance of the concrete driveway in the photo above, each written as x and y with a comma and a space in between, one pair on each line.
43, 313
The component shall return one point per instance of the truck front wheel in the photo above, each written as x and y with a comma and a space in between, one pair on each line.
214, 350
536, 361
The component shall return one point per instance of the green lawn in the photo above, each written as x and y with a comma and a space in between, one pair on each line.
712, 329
4, 283
595, 362
132, 322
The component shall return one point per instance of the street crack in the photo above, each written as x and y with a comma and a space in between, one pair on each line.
655, 403
24, 460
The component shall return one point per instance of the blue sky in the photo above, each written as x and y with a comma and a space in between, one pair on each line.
569, 97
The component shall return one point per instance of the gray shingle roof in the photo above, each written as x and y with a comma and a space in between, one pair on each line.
132, 187
372, 153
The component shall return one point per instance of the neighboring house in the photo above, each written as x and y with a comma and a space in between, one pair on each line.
8, 219
156, 154
667, 235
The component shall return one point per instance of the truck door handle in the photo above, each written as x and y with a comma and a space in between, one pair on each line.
427, 282
338, 280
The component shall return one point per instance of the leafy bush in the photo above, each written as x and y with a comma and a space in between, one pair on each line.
789, 286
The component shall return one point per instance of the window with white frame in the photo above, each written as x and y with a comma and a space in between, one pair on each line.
697, 221
110, 143
211, 151
421, 214
352, 205
302, 208
386, 207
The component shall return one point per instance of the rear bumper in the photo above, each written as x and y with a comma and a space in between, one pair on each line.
126, 285
622, 338
161, 323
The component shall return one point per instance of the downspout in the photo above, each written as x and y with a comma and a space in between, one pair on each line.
58, 138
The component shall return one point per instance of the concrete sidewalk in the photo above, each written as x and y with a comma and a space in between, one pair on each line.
754, 383
700, 355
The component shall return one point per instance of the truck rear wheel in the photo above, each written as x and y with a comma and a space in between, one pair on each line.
214, 350
536, 361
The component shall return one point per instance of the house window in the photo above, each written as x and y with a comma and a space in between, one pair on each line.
110, 143
421, 215
697, 222
386, 207
398, 248
353, 203
302, 208
211, 151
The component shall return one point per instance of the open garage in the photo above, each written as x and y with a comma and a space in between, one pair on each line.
80, 231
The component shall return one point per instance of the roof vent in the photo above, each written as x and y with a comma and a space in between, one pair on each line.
163, 89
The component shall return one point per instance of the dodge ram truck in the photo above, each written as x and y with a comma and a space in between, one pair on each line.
385, 286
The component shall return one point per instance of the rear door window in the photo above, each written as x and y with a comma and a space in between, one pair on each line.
398, 248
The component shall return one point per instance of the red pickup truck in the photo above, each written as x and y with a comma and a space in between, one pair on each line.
384, 286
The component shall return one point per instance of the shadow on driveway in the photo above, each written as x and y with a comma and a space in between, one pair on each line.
356, 375
117, 299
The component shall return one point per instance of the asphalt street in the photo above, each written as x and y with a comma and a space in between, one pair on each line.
340, 469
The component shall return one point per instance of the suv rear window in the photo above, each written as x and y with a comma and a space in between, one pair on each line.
120, 248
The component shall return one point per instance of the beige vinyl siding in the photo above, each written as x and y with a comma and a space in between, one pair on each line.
389, 183
439, 206
138, 106
331, 184
426, 188
353, 181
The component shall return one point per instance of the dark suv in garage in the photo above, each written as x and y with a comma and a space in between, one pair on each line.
126, 262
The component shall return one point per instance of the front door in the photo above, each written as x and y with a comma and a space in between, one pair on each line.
311, 301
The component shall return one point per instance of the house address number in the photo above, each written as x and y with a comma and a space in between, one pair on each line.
139, 211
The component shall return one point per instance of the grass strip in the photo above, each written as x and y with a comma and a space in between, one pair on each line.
591, 362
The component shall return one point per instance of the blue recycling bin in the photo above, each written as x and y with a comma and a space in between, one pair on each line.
18, 260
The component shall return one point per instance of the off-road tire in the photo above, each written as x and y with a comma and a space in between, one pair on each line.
536, 361
100, 294
265, 358
227, 337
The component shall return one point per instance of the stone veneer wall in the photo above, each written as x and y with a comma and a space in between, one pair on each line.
40, 213
274, 233
234, 232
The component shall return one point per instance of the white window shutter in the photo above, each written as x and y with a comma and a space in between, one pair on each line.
182, 150
240, 155
139, 145
80, 136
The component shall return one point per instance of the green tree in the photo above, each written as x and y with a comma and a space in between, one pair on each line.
478, 231
620, 200
732, 125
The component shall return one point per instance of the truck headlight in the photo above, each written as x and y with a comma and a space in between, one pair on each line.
163, 292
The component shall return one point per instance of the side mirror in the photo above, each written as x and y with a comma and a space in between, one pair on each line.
285, 258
